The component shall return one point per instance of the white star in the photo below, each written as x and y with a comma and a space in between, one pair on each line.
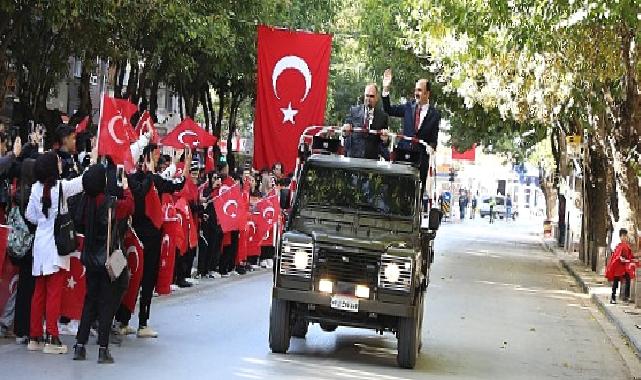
289, 113
71, 283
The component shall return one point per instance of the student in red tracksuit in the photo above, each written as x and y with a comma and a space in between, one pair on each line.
618, 267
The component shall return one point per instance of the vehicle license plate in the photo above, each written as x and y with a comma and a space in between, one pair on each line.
345, 303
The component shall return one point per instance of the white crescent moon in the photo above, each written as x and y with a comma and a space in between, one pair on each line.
223, 189
253, 227
84, 271
133, 249
182, 135
110, 128
296, 63
266, 210
227, 205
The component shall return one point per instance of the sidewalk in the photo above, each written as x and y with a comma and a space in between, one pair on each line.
626, 318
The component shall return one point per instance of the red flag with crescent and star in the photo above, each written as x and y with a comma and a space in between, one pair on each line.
231, 209
74, 288
146, 124
189, 133
114, 134
293, 69
135, 261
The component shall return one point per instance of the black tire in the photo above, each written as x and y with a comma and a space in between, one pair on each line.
300, 328
409, 338
329, 327
279, 326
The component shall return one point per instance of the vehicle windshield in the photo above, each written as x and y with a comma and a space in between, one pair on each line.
358, 190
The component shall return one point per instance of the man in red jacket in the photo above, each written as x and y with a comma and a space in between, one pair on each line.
617, 268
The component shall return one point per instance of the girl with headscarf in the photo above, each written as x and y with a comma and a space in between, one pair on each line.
42, 211
93, 219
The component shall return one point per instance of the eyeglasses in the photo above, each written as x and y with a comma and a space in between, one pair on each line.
370, 96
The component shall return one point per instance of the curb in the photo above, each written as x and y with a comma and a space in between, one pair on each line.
632, 335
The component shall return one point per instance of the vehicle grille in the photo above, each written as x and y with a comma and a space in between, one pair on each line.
287, 265
405, 273
347, 264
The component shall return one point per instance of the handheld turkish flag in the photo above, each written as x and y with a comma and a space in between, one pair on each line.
74, 288
82, 126
113, 134
4, 238
153, 207
135, 262
231, 209
189, 133
166, 268
8, 281
146, 124
292, 90
269, 210
210, 165
256, 229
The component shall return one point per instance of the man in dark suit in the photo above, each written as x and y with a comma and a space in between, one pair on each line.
420, 119
367, 116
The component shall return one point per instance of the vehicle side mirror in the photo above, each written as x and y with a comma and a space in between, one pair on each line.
434, 219
285, 199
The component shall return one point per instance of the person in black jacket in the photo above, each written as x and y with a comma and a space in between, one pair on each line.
140, 184
95, 209
367, 116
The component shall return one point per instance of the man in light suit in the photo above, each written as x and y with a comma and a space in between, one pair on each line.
420, 118
367, 116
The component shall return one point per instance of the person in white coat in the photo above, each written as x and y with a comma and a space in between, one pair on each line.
42, 210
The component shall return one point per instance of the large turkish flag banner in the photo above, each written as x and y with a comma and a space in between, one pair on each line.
114, 134
293, 68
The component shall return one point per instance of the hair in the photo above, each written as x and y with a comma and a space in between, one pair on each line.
428, 86
63, 131
622, 232
46, 172
372, 84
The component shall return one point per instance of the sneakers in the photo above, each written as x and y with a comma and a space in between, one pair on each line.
213, 275
263, 264
613, 300
22, 340
192, 281
270, 263
104, 356
225, 275
53, 345
146, 332
36, 344
70, 328
79, 352
125, 330
233, 273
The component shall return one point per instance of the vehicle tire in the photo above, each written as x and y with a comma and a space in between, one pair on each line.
279, 326
408, 341
329, 327
299, 330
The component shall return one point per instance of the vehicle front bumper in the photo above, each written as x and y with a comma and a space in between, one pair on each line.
368, 306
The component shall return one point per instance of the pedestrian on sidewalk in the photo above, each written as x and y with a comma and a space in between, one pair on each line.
474, 204
492, 204
617, 269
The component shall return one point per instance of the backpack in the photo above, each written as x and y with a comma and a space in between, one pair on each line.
20, 238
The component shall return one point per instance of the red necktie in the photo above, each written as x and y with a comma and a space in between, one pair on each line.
417, 118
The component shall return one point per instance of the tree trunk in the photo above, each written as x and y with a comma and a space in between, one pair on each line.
132, 82
141, 94
221, 109
121, 70
84, 92
153, 99
212, 113
180, 106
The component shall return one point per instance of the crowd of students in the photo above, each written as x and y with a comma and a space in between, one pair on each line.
162, 217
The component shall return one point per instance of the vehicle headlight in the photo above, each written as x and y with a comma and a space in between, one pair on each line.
395, 272
301, 259
296, 259
392, 272
325, 285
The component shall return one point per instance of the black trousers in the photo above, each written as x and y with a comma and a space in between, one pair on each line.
626, 286
151, 243
228, 258
184, 263
216, 248
26, 285
267, 252
98, 306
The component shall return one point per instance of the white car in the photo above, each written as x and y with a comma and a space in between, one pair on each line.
499, 208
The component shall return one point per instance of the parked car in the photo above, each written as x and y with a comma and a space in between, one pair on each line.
499, 209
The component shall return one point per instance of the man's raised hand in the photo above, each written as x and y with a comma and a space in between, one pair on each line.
387, 79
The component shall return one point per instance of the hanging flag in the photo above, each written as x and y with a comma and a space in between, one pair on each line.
74, 288
188, 133
113, 135
153, 207
8, 281
291, 91
83, 125
135, 262
231, 209
166, 267
146, 124
210, 164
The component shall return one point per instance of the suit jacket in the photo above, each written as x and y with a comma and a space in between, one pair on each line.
366, 145
429, 128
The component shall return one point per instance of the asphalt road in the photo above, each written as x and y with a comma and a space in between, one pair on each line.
498, 307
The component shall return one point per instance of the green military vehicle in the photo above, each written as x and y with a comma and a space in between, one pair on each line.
356, 251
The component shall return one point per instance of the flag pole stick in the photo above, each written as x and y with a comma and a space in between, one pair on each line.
102, 103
